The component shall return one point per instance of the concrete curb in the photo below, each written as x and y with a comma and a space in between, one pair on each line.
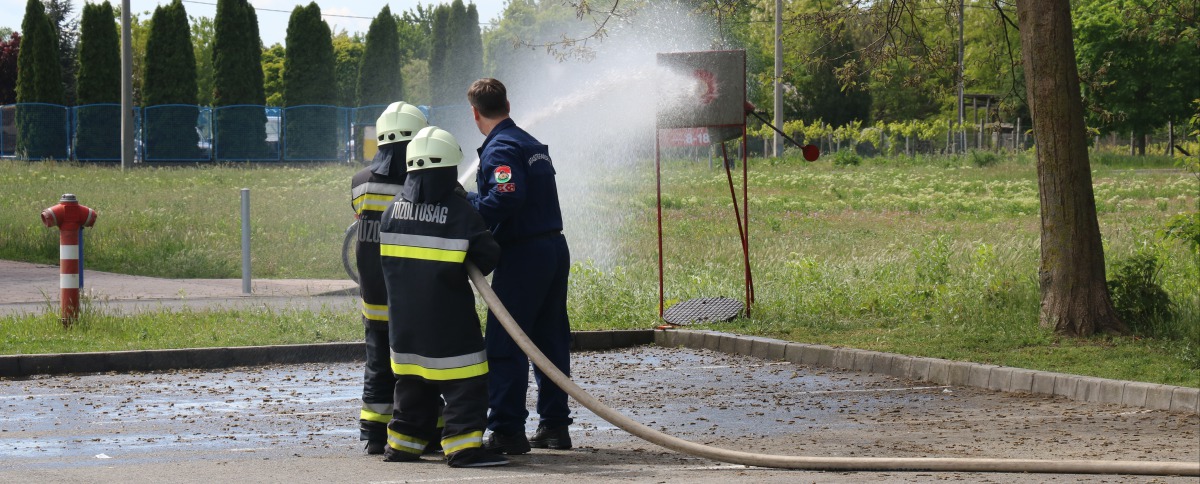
944, 372
22, 366
937, 371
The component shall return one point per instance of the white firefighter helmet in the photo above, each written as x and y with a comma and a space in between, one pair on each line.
399, 122
433, 147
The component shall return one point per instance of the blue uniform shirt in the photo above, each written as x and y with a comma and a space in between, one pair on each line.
517, 197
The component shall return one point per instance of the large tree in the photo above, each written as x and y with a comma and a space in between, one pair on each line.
40, 128
202, 47
237, 81
1075, 299
1139, 60
348, 52
99, 82
10, 46
170, 87
379, 80
413, 28
272, 66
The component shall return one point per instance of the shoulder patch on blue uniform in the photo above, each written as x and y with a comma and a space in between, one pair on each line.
503, 174
539, 157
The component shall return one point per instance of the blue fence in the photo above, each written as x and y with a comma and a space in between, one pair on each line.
175, 133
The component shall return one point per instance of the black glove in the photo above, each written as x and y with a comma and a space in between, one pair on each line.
460, 191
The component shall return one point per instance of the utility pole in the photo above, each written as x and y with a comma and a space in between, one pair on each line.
126, 88
778, 141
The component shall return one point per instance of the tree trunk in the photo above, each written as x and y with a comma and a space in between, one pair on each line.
1074, 295
1170, 139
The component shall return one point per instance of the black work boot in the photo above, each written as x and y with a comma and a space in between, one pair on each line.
375, 447
511, 444
551, 438
475, 457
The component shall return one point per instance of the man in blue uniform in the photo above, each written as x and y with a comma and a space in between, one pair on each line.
371, 192
426, 237
518, 200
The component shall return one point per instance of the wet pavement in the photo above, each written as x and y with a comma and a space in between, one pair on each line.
299, 424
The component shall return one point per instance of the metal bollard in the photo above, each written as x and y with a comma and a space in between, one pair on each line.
71, 218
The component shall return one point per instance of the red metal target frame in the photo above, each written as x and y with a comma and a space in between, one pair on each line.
722, 110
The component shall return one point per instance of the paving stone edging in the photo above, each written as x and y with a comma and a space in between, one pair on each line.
933, 370
943, 372
23, 366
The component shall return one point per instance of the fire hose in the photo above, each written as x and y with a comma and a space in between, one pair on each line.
802, 462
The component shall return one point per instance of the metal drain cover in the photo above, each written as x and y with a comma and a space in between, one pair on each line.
703, 310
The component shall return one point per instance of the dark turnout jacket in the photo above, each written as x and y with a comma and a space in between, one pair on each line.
371, 192
426, 235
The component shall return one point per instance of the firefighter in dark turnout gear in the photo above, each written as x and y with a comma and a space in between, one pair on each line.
437, 350
371, 192
518, 199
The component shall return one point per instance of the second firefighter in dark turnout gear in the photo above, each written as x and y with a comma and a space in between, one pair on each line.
437, 349
371, 192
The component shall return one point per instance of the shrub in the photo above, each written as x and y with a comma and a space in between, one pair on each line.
846, 158
1137, 297
984, 159
1184, 227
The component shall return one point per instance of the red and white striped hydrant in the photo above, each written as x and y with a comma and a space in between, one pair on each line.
70, 217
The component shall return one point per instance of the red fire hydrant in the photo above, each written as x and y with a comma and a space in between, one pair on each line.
70, 217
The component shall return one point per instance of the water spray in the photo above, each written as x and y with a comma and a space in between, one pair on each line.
804, 462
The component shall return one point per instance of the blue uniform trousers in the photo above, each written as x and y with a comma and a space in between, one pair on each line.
531, 281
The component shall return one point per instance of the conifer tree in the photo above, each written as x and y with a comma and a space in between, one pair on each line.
41, 129
456, 57
308, 78
170, 72
308, 61
238, 80
379, 79
99, 74
98, 82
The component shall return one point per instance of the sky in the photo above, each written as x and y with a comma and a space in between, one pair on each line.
355, 16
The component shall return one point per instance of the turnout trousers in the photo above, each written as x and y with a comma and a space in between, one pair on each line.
418, 402
379, 385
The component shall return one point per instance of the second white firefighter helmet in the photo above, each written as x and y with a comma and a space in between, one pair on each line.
432, 147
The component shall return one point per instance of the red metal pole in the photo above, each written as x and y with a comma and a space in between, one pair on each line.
746, 217
658, 183
737, 215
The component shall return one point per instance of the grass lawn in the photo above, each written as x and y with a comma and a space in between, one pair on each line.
926, 256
